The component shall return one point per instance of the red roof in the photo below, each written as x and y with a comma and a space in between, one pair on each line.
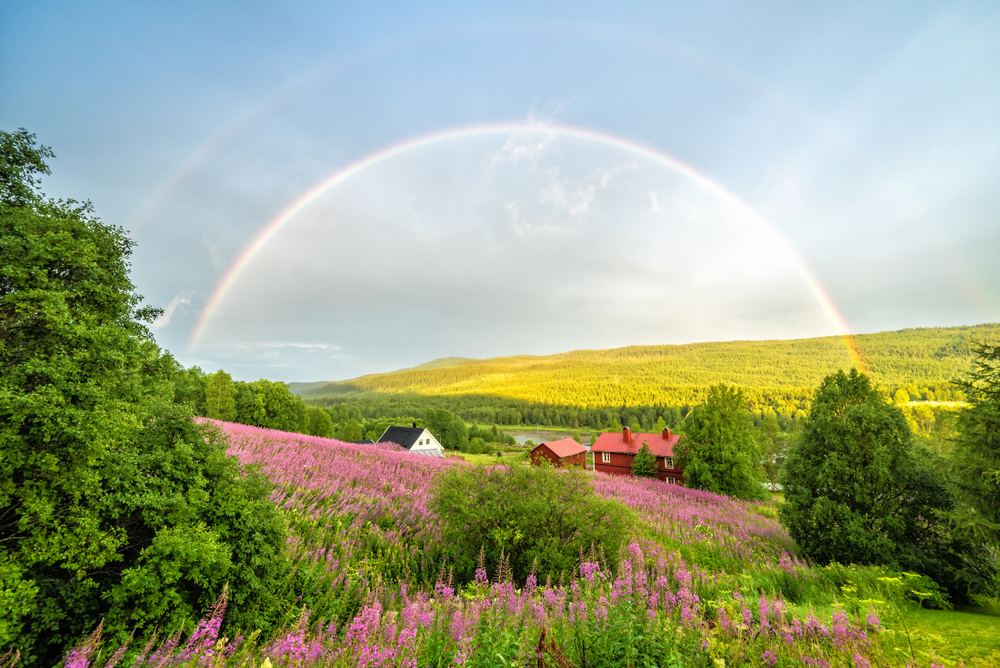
661, 445
564, 447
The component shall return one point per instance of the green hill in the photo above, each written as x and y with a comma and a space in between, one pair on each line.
771, 371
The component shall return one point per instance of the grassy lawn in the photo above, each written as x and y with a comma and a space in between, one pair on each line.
952, 636
487, 460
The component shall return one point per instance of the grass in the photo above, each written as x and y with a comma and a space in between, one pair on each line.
953, 636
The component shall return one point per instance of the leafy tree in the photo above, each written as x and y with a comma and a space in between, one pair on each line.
113, 504
456, 435
644, 462
856, 490
901, 397
976, 454
476, 446
576, 437
773, 445
189, 389
352, 431
319, 422
220, 397
719, 452
529, 514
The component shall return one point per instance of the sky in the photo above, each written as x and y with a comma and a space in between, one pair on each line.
322, 190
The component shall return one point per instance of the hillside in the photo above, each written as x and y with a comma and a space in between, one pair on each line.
677, 374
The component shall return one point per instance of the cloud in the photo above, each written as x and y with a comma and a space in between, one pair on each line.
164, 320
575, 201
213, 252
654, 202
524, 146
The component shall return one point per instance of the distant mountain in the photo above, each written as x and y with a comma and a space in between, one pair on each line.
678, 374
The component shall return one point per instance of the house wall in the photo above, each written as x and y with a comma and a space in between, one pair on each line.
621, 464
542, 452
431, 445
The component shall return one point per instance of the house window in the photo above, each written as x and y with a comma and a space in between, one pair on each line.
670, 481
420, 442
606, 457
670, 462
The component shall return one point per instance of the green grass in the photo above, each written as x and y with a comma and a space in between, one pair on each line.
952, 636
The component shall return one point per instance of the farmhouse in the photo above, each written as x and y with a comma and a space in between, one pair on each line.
419, 441
614, 452
562, 453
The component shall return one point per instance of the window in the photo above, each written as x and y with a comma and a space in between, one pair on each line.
420, 442
670, 481
606, 457
670, 462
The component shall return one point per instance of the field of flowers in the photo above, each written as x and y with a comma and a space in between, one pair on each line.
706, 581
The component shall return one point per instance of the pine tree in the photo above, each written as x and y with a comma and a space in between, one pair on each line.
644, 462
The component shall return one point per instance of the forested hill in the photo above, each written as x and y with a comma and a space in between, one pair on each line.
926, 358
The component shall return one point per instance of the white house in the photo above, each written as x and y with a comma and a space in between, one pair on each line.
419, 441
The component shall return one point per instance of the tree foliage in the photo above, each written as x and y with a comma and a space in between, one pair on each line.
112, 504
644, 462
527, 514
719, 451
976, 453
857, 491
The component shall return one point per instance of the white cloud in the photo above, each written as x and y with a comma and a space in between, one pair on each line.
213, 252
524, 146
654, 202
575, 201
164, 320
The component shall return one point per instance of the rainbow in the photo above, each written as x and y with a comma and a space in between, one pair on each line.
826, 304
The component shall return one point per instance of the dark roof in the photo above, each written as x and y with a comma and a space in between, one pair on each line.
404, 436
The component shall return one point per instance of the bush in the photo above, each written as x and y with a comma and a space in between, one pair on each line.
529, 515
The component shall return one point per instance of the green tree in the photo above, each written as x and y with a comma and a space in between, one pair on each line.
189, 389
320, 423
220, 397
352, 431
901, 397
456, 435
976, 453
529, 514
644, 462
101, 478
773, 445
719, 452
856, 490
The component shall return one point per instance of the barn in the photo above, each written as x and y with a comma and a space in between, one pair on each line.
562, 453
614, 452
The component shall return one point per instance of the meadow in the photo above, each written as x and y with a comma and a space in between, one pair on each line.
705, 580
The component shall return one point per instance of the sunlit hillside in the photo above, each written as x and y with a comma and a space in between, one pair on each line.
677, 374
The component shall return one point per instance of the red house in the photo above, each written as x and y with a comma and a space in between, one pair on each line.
614, 452
562, 453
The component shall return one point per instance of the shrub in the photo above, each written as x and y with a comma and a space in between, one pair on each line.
529, 515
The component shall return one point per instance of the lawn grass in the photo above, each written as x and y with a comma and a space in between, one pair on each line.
950, 636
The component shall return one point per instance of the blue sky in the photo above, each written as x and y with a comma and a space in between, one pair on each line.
851, 153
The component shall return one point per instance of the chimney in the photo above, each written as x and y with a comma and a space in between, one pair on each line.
414, 425
666, 434
626, 434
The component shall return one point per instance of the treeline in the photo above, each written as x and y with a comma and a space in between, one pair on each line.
780, 374
484, 409
271, 405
